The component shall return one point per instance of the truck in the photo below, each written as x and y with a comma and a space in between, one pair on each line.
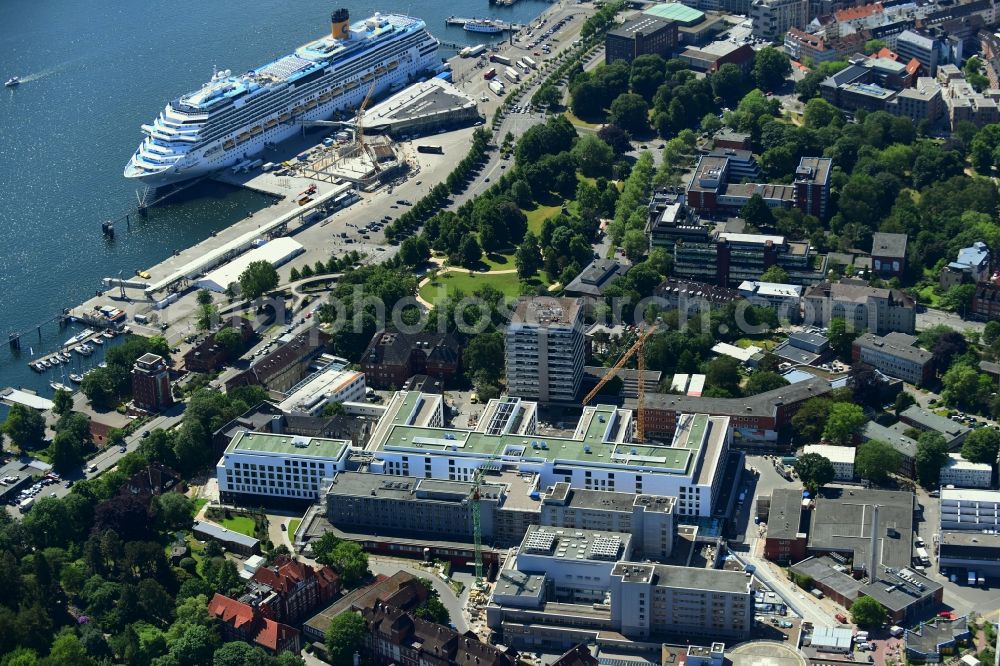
490, 73
26, 504
972, 578
923, 557
523, 66
474, 51
434, 150
530, 63
503, 60
816, 592
497, 87
512, 74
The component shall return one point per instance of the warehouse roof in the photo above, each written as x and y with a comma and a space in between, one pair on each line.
841, 522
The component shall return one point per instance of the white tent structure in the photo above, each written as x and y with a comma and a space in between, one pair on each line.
276, 252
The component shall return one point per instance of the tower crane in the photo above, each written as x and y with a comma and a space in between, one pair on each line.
637, 346
477, 535
360, 128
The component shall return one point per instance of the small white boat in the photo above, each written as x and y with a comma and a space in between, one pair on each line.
13, 82
102, 364
99, 340
108, 334
83, 350
75, 378
56, 386
46, 363
36, 366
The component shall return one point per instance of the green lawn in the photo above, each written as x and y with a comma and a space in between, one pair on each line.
293, 527
196, 506
499, 262
538, 215
241, 524
928, 296
579, 122
506, 283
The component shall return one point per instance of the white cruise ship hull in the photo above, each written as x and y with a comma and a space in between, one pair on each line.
184, 164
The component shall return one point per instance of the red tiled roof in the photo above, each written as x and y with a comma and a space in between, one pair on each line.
230, 611
913, 66
886, 52
854, 13
274, 634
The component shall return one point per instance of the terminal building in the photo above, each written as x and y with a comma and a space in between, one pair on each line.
599, 455
566, 587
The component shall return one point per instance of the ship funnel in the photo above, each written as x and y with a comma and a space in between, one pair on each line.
340, 26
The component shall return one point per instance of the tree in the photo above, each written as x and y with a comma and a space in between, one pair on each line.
723, 374
616, 137
814, 470
964, 386
592, 155
867, 612
902, 401
349, 560
770, 68
66, 452
239, 653
25, 427
63, 402
528, 257
414, 251
776, 274
230, 339
875, 460
635, 244
932, 453
484, 358
173, 510
982, 446
344, 636
630, 112
258, 279
67, 650
546, 96
844, 419
874, 46
469, 252
757, 213
204, 297
762, 381
842, 337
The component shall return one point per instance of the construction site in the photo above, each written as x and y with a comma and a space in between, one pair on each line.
364, 151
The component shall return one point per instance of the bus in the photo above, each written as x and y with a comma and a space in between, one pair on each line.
436, 150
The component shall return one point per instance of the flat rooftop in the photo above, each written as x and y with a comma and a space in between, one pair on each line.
434, 97
784, 518
588, 445
841, 522
575, 544
546, 311
287, 445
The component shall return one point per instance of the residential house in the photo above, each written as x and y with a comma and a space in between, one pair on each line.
242, 622
972, 265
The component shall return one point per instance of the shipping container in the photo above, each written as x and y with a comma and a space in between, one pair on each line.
512, 74
503, 60
497, 87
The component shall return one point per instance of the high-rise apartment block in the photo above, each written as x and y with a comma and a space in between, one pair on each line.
544, 347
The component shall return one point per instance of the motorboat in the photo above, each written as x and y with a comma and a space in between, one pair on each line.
75, 378
13, 82
46, 363
57, 386
98, 340
108, 334
36, 366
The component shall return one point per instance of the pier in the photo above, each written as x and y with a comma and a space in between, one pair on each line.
504, 27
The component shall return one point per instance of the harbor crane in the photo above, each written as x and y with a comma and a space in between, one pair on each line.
637, 347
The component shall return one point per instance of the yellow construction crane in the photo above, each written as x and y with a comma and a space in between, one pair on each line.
637, 346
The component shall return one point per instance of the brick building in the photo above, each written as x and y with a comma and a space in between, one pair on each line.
642, 36
242, 622
786, 536
285, 366
288, 590
208, 355
151, 383
391, 358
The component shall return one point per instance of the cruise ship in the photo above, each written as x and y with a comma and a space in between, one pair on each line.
233, 117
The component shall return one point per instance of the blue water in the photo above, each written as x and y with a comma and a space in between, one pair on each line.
92, 73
